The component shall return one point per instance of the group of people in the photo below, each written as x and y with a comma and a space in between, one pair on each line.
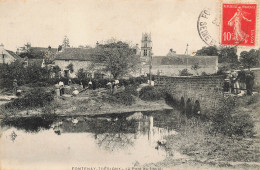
60, 87
112, 87
235, 83
189, 108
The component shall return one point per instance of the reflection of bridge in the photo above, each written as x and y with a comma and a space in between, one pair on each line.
154, 134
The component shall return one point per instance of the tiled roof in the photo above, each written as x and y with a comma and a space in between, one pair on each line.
75, 54
37, 62
39, 52
13, 54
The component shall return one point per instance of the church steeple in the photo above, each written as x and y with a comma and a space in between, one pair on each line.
146, 45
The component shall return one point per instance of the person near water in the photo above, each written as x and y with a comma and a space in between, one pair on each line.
75, 92
15, 86
90, 85
109, 86
61, 84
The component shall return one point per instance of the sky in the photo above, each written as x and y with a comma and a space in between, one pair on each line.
172, 23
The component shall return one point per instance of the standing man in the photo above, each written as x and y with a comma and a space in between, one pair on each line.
15, 86
90, 84
61, 84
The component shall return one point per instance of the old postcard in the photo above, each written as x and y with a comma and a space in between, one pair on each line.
129, 84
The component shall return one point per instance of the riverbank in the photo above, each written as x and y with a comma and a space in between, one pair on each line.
207, 150
91, 102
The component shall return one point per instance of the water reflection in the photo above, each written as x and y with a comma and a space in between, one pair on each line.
121, 139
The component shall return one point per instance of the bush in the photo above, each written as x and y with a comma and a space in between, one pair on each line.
204, 73
123, 97
184, 72
32, 123
131, 89
230, 121
151, 93
35, 98
252, 99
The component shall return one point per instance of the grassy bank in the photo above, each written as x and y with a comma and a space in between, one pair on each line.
231, 142
88, 102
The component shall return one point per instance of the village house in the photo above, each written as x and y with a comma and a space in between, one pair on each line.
173, 65
7, 56
71, 60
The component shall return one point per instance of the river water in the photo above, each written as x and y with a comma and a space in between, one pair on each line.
119, 140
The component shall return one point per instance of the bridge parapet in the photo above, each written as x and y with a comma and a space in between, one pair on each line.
208, 90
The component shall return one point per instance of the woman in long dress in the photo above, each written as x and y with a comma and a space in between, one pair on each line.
235, 21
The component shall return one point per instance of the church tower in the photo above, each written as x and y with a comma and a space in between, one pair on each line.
146, 46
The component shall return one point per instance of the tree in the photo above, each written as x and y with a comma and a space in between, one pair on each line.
225, 54
70, 67
66, 42
195, 67
228, 55
208, 51
118, 58
184, 72
59, 48
250, 59
82, 75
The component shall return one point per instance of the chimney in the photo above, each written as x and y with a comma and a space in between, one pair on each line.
1, 46
97, 44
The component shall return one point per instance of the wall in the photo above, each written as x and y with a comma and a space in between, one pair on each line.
174, 70
77, 64
8, 59
207, 89
172, 65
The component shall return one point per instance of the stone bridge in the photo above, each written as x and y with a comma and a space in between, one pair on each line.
208, 90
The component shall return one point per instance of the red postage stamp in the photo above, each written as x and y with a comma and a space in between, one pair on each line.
238, 24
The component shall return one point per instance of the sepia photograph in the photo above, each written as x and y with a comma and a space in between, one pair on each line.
129, 84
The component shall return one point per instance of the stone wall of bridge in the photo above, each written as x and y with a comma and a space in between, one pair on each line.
208, 90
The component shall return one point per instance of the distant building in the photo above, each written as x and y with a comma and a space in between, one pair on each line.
146, 47
36, 52
173, 63
80, 58
7, 56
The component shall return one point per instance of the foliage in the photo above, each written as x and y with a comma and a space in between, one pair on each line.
66, 42
204, 73
252, 99
59, 48
225, 54
70, 67
228, 55
230, 121
208, 51
131, 89
195, 66
250, 59
118, 58
184, 72
26, 75
36, 98
125, 98
150, 93
82, 75
31, 123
